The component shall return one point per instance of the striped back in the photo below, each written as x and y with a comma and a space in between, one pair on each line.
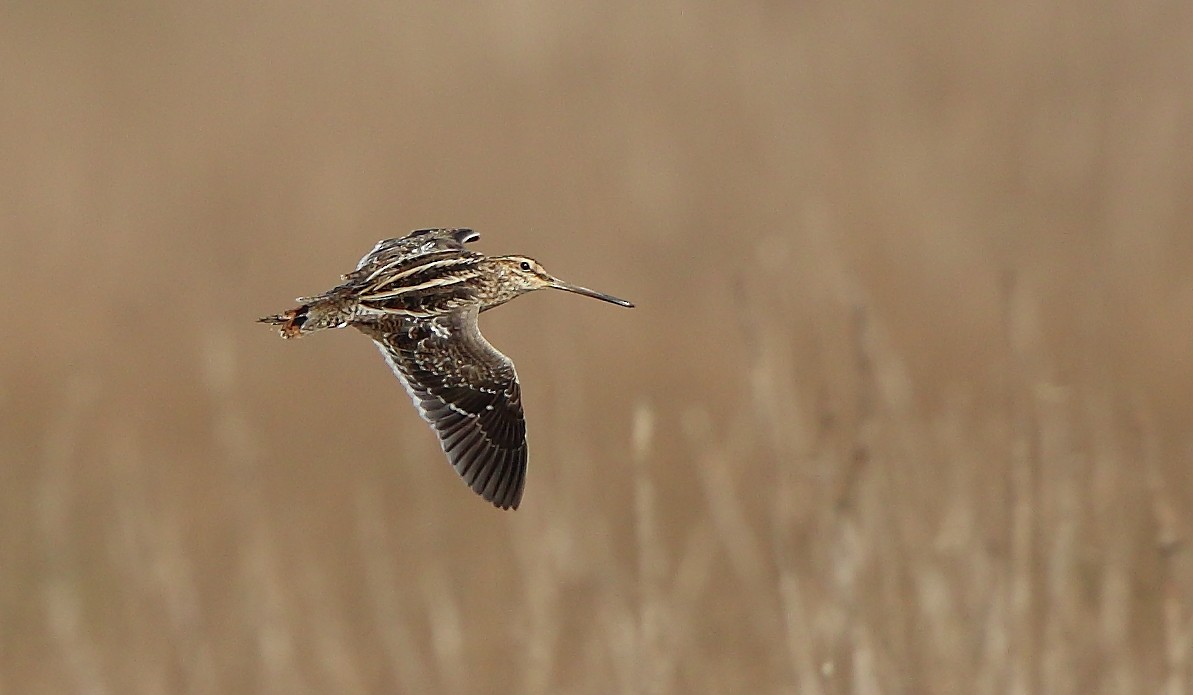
420, 286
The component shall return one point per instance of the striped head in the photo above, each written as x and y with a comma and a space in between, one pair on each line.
513, 276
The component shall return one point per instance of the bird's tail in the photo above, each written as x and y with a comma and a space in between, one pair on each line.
315, 314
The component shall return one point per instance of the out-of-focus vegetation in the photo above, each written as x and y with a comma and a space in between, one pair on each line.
904, 406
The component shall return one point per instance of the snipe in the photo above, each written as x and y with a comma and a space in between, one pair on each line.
418, 298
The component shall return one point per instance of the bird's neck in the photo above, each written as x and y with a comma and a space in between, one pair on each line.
497, 284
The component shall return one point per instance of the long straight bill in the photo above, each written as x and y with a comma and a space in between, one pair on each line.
568, 287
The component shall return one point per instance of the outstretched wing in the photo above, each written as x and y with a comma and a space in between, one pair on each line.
469, 393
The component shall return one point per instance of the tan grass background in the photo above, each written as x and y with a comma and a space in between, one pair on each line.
904, 406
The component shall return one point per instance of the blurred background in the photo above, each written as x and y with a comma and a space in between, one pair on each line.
904, 406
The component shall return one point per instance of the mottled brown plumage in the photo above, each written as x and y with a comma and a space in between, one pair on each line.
418, 298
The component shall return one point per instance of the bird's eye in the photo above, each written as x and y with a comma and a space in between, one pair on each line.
525, 265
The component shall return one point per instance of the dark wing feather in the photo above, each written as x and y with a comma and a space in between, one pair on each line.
469, 393
417, 243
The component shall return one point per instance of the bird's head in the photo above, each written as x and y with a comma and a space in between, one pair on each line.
527, 275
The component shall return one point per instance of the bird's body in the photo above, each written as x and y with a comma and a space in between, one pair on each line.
418, 298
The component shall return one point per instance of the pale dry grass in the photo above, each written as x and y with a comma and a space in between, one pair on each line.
904, 406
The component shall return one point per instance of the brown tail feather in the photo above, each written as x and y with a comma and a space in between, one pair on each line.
291, 322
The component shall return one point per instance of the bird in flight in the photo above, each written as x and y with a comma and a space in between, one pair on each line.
418, 297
